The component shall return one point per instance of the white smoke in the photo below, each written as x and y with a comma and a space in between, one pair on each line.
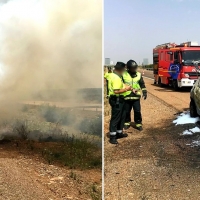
49, 44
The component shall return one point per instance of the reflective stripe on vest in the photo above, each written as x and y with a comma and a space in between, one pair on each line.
133, 82
131, 98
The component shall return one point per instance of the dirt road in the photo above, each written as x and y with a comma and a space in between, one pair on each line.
176, 99
147, 73
157, 163
25, 175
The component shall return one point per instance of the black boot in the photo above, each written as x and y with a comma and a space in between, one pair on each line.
113, 139
126, 127
121, 135
139, 128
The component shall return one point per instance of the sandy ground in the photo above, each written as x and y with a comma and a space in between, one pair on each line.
157, 163
177, 99
26, 176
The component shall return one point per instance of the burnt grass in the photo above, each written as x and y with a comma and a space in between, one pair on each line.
68, 117
57, 146
74, 153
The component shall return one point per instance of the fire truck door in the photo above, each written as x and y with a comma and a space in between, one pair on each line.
161, 59
174, 67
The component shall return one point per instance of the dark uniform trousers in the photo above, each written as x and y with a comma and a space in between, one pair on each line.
135, 105
107, 92
118, 114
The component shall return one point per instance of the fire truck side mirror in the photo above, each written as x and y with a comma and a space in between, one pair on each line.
169, 52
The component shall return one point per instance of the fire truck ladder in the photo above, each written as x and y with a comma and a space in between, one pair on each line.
168, 45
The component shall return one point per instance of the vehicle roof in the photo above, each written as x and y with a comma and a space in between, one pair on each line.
178, 48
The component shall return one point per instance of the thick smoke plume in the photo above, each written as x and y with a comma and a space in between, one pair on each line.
48, 45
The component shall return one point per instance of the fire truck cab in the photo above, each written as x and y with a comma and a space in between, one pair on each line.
173, 64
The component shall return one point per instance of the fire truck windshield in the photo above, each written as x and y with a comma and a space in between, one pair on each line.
189, 56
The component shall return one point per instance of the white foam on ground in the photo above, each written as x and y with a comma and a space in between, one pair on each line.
195, 130
191, 131
195, 143
186, 132
184, 118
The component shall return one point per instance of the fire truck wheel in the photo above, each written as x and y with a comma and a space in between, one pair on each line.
193, 110
175, 85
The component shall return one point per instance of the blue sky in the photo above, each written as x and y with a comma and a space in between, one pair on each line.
132, 28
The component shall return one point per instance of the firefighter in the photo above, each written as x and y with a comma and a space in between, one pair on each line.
134, 78
106, 77
116, 100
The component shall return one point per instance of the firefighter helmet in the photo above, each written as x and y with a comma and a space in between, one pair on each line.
131, 64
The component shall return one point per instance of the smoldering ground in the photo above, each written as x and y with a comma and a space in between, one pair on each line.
48, 45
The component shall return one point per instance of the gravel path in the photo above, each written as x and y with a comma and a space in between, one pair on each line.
155, 164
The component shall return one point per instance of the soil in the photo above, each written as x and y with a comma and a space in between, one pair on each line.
26, 175
157, 163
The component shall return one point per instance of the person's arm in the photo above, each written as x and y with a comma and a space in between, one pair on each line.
119, 91
117, 85
142, 83
143, 87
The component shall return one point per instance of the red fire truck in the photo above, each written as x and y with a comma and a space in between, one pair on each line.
174, 64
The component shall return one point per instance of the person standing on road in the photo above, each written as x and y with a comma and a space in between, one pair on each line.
132, 98
117, 89
107, 76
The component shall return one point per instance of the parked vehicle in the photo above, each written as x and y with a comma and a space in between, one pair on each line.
174, 64
195, 95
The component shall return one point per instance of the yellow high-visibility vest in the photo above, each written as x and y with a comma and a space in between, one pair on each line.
133, 82
107, 75
115, 83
